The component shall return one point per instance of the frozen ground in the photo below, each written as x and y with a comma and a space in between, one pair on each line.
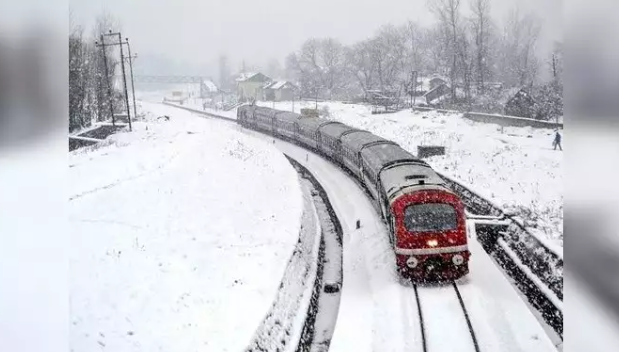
190, 94
378, 313
180, 233
516, 168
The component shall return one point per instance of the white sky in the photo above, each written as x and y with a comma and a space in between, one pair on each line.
194, 33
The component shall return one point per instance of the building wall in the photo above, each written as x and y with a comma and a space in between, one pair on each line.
250, 90
286, 94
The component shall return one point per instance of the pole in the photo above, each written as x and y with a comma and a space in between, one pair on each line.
107, 81
316, 106
135, 113
414, 87
122, 64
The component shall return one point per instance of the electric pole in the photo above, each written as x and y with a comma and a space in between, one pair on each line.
107, 79
122, 65
135, 113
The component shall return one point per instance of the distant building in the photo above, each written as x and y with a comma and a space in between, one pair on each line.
521, 104
279, 91
426, 84
208, 89
437, 93
250, 86
436, 81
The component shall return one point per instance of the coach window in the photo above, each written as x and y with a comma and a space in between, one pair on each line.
430, 217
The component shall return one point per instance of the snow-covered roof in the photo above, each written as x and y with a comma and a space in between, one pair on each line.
245, 76
439, 77
423, 83
210, 86
278, 84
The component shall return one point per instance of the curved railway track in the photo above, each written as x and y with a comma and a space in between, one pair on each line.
535, 267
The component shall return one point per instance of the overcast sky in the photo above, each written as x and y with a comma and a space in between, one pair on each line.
194, 32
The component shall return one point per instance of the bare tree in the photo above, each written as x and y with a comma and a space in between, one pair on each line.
481, 28
332, 65
416, 49
519, 63
466, 61
361, 65
320, 63
388, 51
448, 13
556, 62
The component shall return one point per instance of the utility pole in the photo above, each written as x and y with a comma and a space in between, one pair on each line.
107, 79
135, 113
122, 64
414, 79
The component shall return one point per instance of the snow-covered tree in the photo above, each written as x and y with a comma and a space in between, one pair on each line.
448, 16
89, 97
519, 64
481, 25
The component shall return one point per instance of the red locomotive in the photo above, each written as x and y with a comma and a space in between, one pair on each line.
430, 235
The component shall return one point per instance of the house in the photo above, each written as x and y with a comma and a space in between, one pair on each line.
521, 104
250, 86
280, 91
426, 84
435, 94
208, 89
436, 81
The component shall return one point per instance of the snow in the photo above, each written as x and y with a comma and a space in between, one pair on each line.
195, 105
378, 312
275, 85
210, 86
33, 245
245, 76
180, 234
282, 328
516, 168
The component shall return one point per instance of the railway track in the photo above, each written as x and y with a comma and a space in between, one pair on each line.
535, 268
432, 336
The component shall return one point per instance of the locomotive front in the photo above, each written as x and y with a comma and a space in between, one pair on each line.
430, 235
428, 226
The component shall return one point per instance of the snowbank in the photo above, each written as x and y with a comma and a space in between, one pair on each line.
283, 326
515, 167
180, 235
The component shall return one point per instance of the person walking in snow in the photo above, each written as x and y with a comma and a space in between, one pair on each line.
557, 141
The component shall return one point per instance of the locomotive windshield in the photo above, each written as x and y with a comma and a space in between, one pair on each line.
430, 217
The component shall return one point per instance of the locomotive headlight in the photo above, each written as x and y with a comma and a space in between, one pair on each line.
457, 259
432, 243
412, 262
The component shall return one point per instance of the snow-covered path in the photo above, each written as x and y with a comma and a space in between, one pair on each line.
378, 313
180, 235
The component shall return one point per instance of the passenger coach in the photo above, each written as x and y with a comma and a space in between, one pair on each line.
427, 221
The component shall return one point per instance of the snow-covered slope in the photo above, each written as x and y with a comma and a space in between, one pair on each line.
180, 233
516, 167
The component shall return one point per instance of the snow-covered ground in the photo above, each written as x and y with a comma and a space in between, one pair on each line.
516, 167
379, 313
180, 233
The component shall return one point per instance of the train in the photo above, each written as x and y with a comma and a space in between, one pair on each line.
425, 218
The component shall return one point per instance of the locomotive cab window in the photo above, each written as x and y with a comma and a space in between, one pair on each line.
430, 217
